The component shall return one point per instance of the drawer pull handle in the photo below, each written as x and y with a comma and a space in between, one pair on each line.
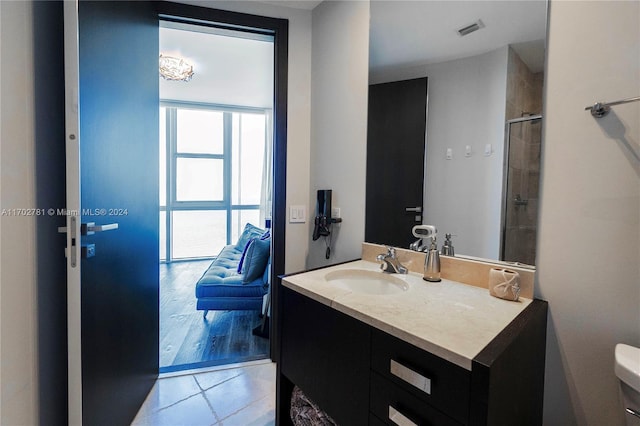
398, 418
411, 377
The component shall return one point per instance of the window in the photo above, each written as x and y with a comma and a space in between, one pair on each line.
212, 165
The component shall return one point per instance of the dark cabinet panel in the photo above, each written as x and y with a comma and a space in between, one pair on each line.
507, 379
326, 353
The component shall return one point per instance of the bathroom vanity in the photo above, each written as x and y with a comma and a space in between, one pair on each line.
407, 351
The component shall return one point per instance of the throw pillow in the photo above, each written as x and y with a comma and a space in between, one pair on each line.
250, 231
264, 236
256, 260
244, 254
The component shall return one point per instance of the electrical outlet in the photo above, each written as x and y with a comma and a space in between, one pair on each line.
335, 212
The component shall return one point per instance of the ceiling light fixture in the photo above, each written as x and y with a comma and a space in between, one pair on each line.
175, 69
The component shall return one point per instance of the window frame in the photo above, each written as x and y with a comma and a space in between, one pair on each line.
171, 158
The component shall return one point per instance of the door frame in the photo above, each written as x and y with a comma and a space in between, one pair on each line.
72, 150
279, 29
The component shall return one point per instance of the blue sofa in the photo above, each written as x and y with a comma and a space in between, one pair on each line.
238, 277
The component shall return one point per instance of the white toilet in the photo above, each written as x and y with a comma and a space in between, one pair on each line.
627, 367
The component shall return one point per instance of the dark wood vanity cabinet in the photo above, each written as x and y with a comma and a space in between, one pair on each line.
360, 375
326, 353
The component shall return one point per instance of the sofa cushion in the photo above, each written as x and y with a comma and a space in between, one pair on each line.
229, 288
256, 259
221, 286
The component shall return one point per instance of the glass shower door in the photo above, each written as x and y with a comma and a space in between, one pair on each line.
520, 203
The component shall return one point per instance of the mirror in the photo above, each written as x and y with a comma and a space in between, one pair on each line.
477, 185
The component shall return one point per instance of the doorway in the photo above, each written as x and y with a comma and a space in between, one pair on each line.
113, 322
216, 179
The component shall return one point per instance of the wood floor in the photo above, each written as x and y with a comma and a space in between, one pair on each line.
187, 340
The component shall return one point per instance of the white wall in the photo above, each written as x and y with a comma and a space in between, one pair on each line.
18, 376
589, 240
339, 93
299, 117
463, 196
1, 126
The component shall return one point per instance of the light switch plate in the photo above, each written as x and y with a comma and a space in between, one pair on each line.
297, 214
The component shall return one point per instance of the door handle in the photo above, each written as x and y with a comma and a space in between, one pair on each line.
413, 209
86, 250
91, 228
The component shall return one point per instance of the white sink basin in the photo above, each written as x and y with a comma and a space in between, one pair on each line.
367, 282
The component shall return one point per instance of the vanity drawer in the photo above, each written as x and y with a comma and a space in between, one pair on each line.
425, 376
392, 405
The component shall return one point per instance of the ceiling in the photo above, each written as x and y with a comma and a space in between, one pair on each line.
402, 33
296, 4
230, 67
421, 32
415, 32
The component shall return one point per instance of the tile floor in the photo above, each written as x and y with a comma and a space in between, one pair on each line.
240, 395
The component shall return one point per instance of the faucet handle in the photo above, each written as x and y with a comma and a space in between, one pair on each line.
391, 252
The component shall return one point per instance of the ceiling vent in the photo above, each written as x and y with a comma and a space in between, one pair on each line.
470, 28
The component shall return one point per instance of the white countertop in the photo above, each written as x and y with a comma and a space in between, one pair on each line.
452, 320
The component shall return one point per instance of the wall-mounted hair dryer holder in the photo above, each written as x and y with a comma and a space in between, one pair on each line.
323, 219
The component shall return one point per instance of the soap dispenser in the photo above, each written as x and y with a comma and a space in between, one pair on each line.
432, 263
447, 247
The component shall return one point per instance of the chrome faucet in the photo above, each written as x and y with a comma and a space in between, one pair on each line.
418, 245
390, 263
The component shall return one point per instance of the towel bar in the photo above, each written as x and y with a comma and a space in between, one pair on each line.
600, 109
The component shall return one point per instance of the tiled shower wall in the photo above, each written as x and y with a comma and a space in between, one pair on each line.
524, 88
524, 98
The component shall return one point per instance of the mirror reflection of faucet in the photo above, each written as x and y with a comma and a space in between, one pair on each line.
422, 232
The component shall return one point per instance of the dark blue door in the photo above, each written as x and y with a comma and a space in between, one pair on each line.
118, 78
